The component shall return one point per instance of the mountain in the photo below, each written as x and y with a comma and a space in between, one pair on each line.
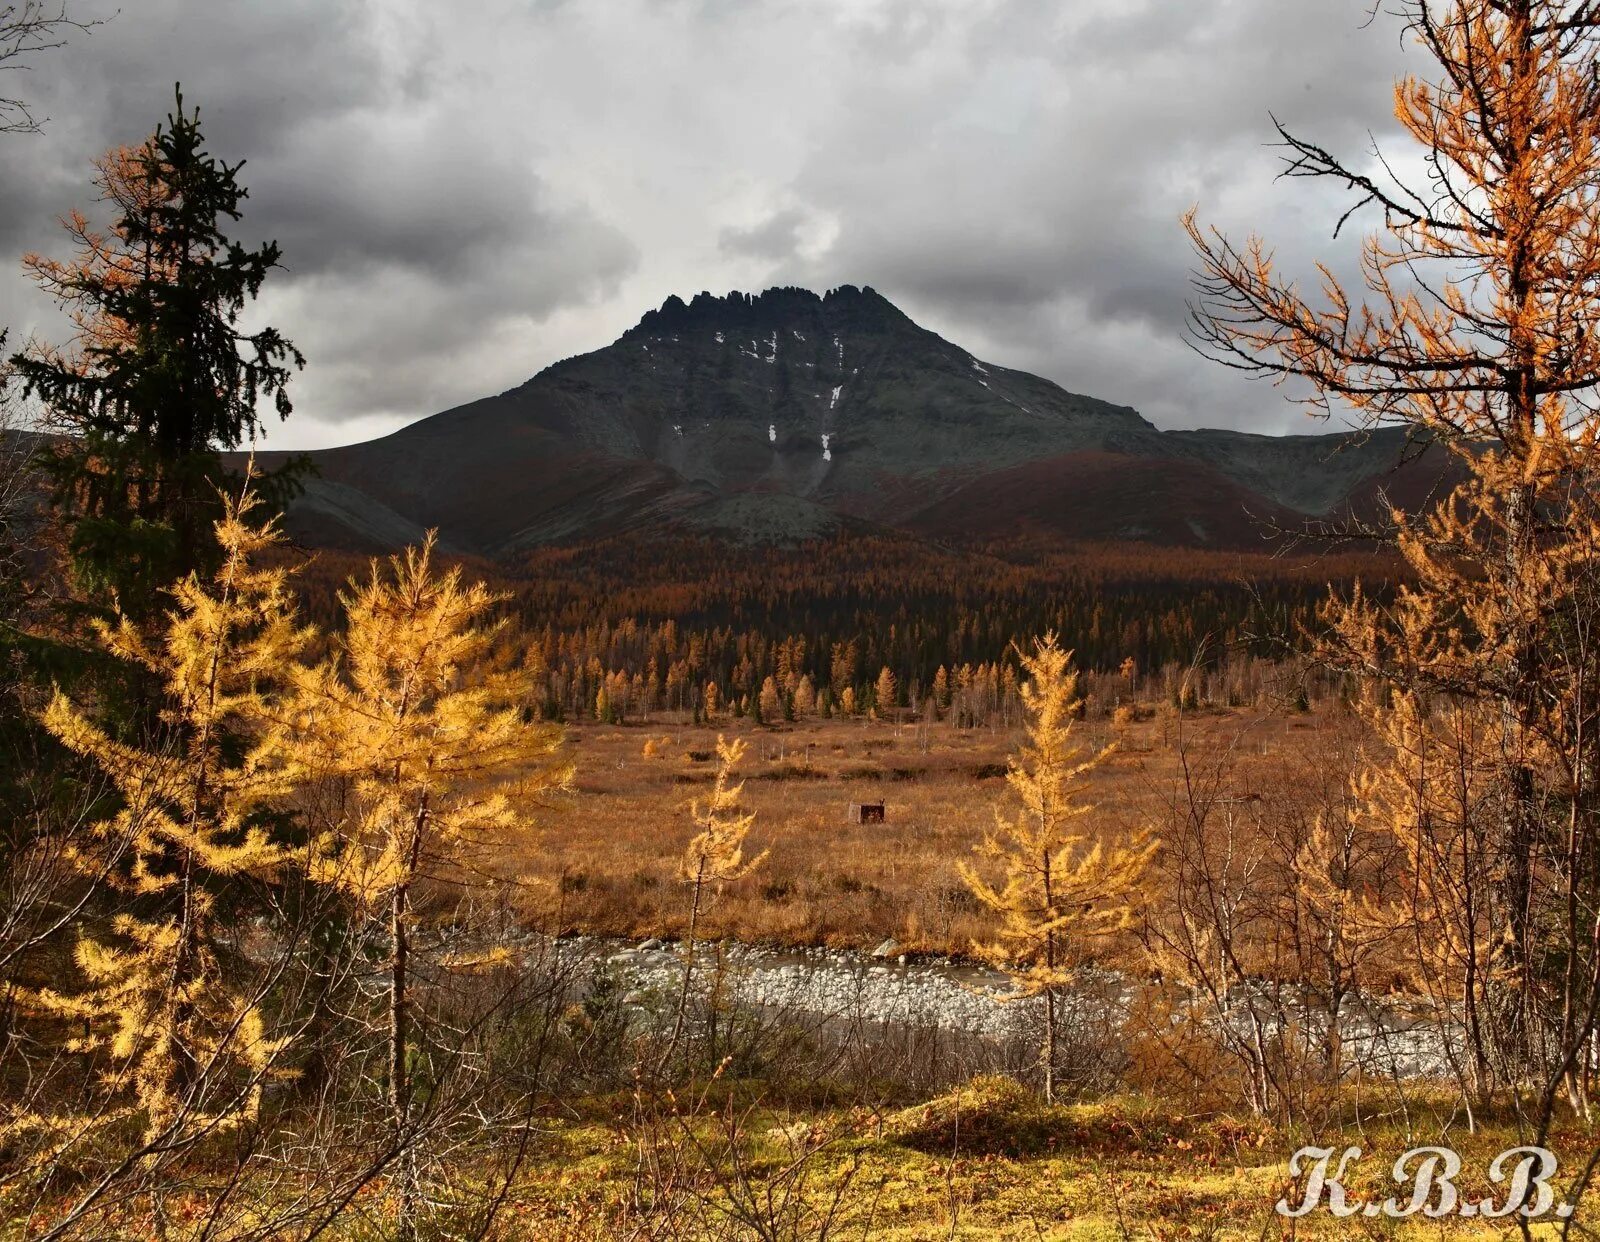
788, 415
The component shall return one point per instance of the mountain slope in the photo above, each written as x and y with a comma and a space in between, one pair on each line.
788, 414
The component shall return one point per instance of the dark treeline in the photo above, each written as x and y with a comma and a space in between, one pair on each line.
624, 625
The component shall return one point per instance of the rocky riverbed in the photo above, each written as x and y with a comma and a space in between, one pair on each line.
885, 989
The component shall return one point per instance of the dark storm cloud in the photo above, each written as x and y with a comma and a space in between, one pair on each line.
465, 193
257, 71
414, 237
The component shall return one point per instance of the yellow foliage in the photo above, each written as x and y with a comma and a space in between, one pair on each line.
886, 692
1476, 325
1433, 793
1061, 891
434, 742
770, 702
192, 807
716, 853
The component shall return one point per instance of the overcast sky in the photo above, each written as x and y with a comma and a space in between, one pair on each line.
467, 192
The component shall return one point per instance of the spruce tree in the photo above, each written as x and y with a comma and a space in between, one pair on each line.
160, 378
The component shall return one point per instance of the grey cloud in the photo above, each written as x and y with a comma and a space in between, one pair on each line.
258, 70
466, 194
413, 233
776, 238
1038, 217
427, 199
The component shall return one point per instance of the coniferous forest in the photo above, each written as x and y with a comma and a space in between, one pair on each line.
652, 624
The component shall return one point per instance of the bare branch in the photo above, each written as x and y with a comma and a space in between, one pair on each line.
27, 29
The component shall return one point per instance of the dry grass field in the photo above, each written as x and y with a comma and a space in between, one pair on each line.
610, 852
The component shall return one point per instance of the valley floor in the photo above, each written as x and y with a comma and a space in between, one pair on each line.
612, 854
985, 1160
833, 1131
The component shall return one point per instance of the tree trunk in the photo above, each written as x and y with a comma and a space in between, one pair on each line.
399, 1034
1521, 674
1050, 987
688, 966
399, 1084
1050, 1045
181, 1069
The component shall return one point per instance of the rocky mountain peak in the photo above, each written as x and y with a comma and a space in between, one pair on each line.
786, 413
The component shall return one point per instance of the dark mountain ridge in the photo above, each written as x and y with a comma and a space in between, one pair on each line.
788, 414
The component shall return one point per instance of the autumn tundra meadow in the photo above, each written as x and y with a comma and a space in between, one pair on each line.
781, 777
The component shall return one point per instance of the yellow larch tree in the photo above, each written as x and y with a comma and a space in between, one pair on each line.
770, 702
1061, 892
1477, 327
1436, 794
437, 751
1341, 904
187, 1048
713, 857
886, 694
805, 697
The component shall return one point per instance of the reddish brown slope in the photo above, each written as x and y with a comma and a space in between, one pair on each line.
1107, 496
